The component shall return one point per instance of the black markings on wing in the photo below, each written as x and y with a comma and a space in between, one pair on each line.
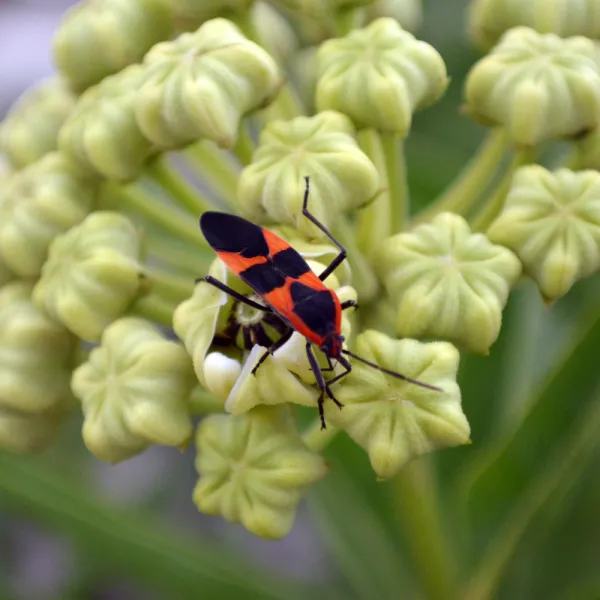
263, 278
315, 307
290, 263
229, 233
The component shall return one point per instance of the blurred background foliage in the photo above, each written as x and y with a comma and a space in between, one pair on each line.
512, 516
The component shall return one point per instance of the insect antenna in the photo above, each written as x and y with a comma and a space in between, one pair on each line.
393, 373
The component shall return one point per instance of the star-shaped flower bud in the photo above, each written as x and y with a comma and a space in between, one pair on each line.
101, 134
489, 19
100, 37
539, 87
31, 127
552, 221
38, 203
342, 176
92, 274
253, 469
134, 391
396, 421
447, 282
36, 356
201, 84
379, 76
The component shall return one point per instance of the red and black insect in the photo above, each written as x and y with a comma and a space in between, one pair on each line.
290, 290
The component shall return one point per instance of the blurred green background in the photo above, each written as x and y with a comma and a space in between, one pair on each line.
513, 516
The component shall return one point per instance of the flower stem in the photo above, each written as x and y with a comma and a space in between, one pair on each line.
177, 187
154, 308
416, 496
473, 180
398, 193
182, 258
492, 207
202, 402
244, 146
166, 217
169, 285
317, 439
214, 167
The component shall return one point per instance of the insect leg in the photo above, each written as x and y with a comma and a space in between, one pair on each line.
348, 368
349, 304
323, 386
280, 342
224, 288
339, 259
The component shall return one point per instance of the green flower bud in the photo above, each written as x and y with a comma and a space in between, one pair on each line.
31, 127
273, 31
409, 13
588, 150
489, 19
38, 203
102, 134
396, 421
134, 390
253, 469
100, 37
92, 274
35, 368
303, 69
447, 282
539, 87
552, 221
379, 75
342, 176
201, 84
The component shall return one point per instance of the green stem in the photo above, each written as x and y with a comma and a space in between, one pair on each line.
154, 308
399, 197
473, 180
202, 402
165, 216
181, 191
346, 20
183, 258
215, 168
373, 222
132, 542
244, 146
317, 439
492, 207
170, 286
363, 277
421, 521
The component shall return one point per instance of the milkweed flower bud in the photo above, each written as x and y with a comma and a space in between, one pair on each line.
396, 421
447, 282
409, 13
38, 203
379, 76
539, 87
552, 221
489, 19
201, 84
31, 127
253, 469
35, 370
342, 176
99, 38
134, 390
101, 134
92, 274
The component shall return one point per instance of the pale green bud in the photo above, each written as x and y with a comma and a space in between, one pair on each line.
552, 221
201, 84
101, 134
6, 274
447, 282
254, 469
35, 368
92, 274
323, 147
31, 127
134, 391
409, 13
100, 37
489, 19
396, 421
38, 203
303, 69
588, 150
539, 87
379, 76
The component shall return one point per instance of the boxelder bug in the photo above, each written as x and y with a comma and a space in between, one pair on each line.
291, 291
